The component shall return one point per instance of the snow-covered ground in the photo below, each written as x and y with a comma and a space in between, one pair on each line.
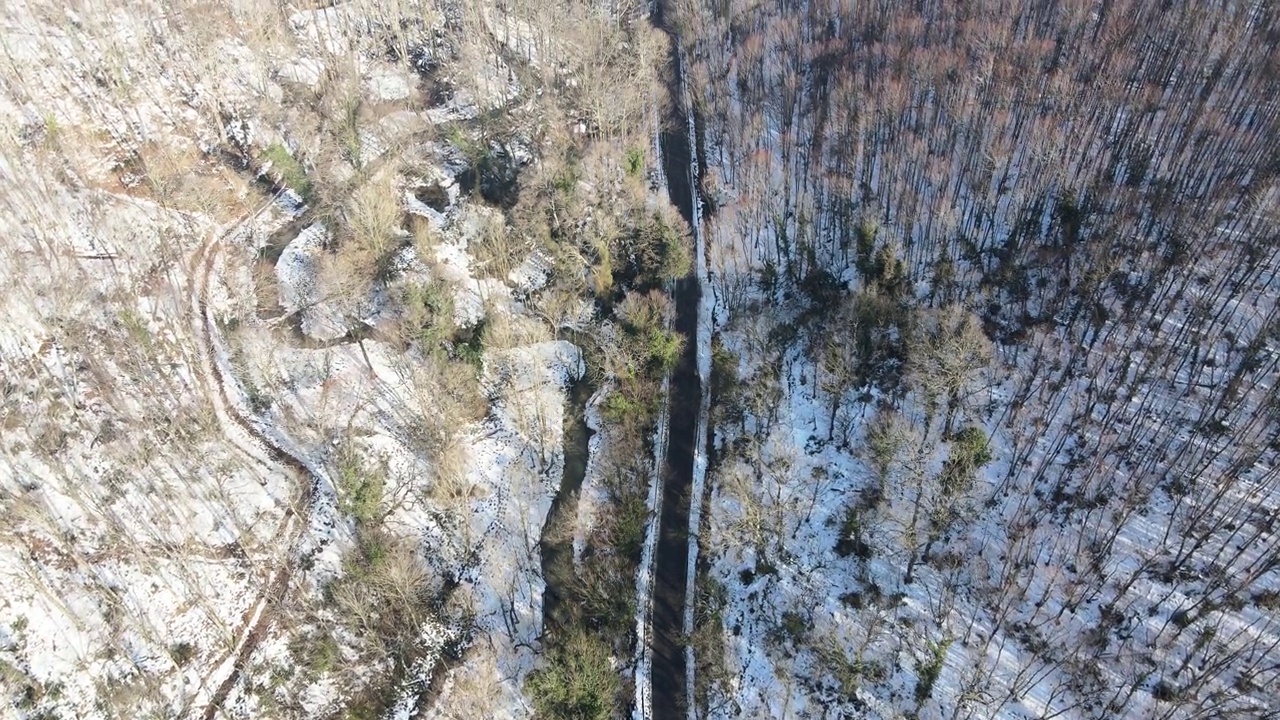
1115, 558
170, 519
137, 534
1022, 627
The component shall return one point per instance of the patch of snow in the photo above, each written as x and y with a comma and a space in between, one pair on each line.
387, 84
303, 71
298, 267
533, 274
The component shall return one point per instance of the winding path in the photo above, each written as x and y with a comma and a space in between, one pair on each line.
269, 451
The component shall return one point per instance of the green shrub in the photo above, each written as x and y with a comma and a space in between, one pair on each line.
578, 684
623, 407
880, 327
663, 349
371, 704
602, 594
182, 653
928, 671
360, 489
324, 654
631, 516
644, 318
428, 314
349, 132
468, 343
565, 182
372, 548
289, 170
708, 638
969, 452
677, 261
795, 627
972, 443
617, 406
10, 675
885, 439
724, 369
634, 162
660, 249
259, 401
136, 326
317, 654
866, 245
475, 150
52, 131
383, 596
851, 540
470, 352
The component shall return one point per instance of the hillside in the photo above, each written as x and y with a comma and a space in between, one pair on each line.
572, 359
995, 288
295, 300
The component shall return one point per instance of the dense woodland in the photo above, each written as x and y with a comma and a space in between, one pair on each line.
1049, 223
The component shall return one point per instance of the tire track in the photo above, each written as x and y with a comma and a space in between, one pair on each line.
270, 451
261, 447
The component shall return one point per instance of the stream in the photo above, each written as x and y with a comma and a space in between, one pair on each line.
685, 462
664, 675
556, 543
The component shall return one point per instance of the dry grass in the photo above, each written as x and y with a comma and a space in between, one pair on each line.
451, 486
503, 331
476, 688
425, 239
497, 250
373, 218
445, 398
370, 235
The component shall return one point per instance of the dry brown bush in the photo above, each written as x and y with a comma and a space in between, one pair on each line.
370, 234
450, 486
373, 217
497, 250
384, 597
504, 330
446, 396
425, 239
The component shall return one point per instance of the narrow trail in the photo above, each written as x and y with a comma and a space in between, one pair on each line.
266, 445
556, 540
259, 446
273, 451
